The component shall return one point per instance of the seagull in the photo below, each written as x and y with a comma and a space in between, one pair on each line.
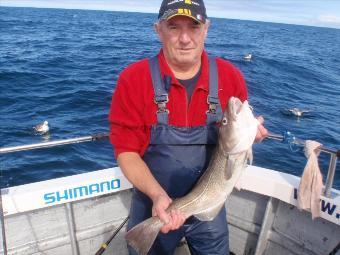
248, 57
42, 128
297, 112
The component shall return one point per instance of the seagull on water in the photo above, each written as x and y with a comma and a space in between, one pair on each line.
248, 57
42, 128
298, 112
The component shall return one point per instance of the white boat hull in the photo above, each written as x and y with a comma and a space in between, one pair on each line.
76, 214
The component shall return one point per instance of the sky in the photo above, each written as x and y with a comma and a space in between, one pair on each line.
324, 13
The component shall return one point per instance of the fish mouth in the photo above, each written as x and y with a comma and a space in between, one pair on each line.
235, 106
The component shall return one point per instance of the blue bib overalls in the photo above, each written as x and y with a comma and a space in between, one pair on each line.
177, 157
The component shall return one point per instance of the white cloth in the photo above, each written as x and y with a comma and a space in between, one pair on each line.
311, 185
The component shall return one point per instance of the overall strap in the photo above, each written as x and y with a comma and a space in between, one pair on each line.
161, 94
214, 112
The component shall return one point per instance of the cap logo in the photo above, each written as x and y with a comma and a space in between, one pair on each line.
184, 11
169, 13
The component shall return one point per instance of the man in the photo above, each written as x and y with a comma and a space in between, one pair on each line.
163, 126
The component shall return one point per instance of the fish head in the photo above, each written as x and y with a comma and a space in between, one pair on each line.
238, 127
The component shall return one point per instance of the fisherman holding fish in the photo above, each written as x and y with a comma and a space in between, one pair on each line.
164, 118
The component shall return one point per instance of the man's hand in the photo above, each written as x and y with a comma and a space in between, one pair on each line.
173, 220
262, 132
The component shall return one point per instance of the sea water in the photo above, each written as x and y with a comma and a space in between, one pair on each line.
62, 66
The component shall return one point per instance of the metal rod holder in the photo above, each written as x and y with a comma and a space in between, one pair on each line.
3, 230
330, 175
302, 143
53, 143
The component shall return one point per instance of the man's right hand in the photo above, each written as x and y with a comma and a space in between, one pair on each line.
173, 220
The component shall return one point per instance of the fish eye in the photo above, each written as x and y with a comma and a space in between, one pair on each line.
224, 121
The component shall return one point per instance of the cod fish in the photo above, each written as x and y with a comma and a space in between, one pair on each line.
236, 135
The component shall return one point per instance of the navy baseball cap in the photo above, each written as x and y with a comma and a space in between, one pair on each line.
194, 9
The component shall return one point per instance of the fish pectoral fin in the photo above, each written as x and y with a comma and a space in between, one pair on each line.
229, 169
210, 213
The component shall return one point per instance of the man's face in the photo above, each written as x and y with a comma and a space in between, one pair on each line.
183, 40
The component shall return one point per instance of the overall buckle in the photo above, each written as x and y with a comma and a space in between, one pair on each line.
213, 103
161, 102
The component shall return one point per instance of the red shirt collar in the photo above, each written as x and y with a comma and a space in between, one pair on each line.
203, 81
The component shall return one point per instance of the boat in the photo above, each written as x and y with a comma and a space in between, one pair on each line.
79, 214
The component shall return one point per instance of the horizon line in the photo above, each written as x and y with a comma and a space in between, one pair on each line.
149, 12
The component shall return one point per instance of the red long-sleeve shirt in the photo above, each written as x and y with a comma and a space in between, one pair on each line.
133, 110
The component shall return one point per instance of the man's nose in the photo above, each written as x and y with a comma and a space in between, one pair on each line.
184, 37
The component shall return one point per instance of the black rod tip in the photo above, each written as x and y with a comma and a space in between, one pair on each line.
100, 251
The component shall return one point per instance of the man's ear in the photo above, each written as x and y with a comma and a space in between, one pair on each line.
157, 27
207, 25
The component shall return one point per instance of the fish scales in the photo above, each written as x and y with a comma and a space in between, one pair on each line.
212, 189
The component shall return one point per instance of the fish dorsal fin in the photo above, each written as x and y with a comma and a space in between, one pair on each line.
210, 213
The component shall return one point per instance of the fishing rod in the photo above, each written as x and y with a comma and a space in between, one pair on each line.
106, 244
90, 138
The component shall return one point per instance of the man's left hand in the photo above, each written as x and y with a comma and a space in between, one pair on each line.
262, 132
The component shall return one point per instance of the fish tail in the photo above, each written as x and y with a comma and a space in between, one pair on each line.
142, 236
